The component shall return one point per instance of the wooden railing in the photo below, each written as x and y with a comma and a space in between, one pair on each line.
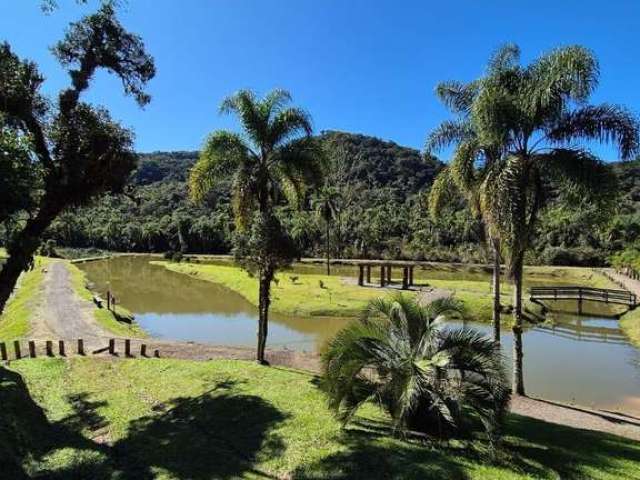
16, 350
605, 295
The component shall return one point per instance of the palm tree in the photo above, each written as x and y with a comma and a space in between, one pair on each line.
466, 174
327, 206
427, 377
274, 158
535, 116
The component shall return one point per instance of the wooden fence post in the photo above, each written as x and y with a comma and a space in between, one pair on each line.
156, 353
143, 350
3, 351
80, 346
389, 274
127, 347
411, 275
382, 275
16, 347
360, 275
49, 348
368, 273
405, 278
61, 348
112, 346
32, 349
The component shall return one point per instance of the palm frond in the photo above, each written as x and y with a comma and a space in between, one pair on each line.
289, 124
222, 152
446, 134
247, 107
457, 96
567, 73
603, 123
275, 101
442, 192
297, 166
504, 58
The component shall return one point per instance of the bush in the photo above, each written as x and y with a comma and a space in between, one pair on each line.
577, 257
429, 379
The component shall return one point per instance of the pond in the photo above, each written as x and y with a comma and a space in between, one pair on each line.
572, 359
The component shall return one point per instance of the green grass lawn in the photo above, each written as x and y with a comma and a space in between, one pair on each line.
107, 319
171, 419
305, 296
14, 321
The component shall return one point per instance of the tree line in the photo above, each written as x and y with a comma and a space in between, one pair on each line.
379, 194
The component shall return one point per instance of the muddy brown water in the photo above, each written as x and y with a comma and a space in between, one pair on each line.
586, 360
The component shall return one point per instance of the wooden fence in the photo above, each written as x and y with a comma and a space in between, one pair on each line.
66, 348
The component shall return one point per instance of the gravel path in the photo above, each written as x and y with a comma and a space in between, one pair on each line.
63, 314
623, 281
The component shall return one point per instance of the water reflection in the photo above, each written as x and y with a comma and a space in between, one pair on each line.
175, 306
579, 359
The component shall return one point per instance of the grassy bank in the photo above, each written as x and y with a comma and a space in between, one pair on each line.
315, 294
293, 294
118, 321
14, 322
170, 419
630, 325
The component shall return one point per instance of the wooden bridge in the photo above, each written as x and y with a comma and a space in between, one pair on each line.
605, 295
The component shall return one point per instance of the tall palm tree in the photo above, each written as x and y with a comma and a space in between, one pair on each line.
327, 206
427, 377
536, 116
274, 158
466, 173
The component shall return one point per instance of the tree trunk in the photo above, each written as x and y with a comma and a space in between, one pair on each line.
21, 251
328, 252
263, 313
496, 290
518, 381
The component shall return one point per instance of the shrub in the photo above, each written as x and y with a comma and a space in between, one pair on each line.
429, 379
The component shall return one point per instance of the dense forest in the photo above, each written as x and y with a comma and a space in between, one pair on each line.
382, 212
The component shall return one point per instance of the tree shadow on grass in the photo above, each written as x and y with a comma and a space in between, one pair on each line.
370, 452
531, 448
220, 434
541, 450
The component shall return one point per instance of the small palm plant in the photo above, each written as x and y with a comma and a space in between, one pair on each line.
429, 379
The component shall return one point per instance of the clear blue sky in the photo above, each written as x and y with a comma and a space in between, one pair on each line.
367, 66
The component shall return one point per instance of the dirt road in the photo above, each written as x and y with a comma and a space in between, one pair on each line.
63, 314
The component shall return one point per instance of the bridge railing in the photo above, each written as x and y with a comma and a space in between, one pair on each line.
583, 293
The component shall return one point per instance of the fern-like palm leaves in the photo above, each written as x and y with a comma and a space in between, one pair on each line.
275, 155
427, 377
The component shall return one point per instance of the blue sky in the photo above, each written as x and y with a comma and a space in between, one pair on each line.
356, 65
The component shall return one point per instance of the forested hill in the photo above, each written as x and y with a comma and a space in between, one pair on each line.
163, 166
383, 213
378, 163
156, 215
368, 160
